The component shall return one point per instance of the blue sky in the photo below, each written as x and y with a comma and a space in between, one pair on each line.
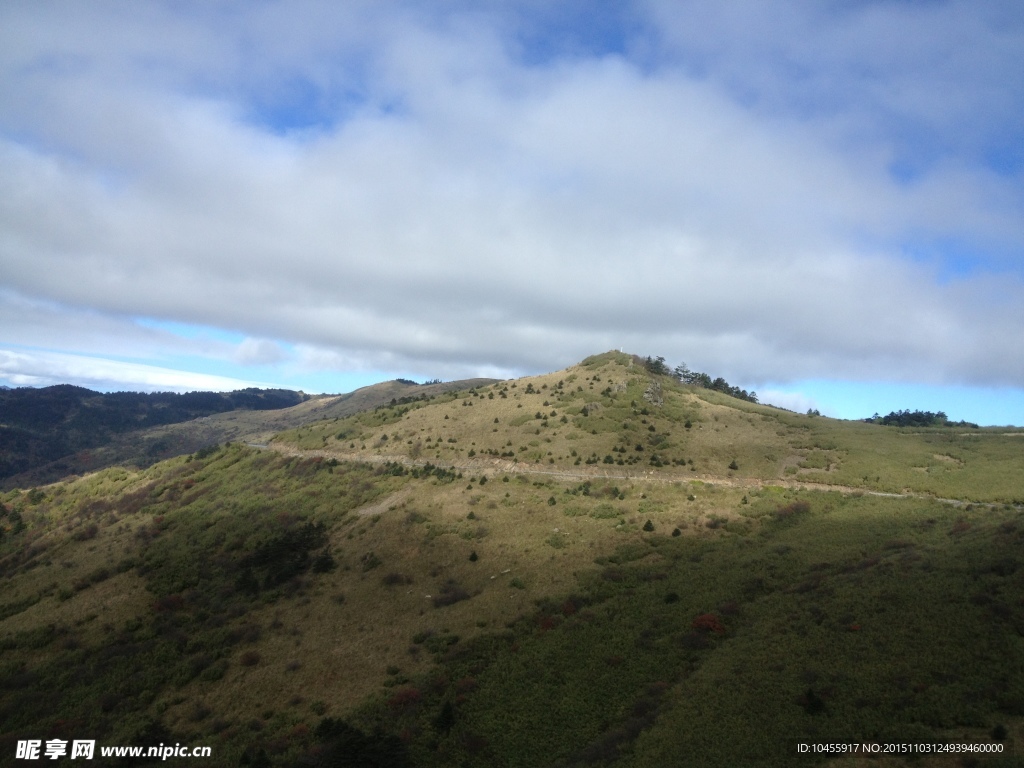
820, 201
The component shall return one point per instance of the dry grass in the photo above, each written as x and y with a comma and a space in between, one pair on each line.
766, 444
337, 637
322, 649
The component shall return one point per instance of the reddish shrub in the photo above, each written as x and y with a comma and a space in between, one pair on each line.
132, 503
547, 623
169, 603
568, 608
89, 532
466, 685
708, 622
250, 659
405, 698
794, 508
960, 527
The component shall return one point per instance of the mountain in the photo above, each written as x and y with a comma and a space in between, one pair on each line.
53, 432
40, 426
598, 566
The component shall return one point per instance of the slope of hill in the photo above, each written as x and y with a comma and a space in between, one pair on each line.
387, 588
609, 417
242, 416
41, 426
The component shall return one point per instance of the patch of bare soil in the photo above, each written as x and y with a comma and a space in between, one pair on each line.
380, 507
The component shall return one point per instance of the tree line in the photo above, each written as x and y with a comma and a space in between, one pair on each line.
44, 424
683, 374
907, 418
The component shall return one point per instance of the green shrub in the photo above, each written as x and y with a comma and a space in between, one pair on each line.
324, 562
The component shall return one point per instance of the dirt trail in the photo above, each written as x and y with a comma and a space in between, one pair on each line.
593, 473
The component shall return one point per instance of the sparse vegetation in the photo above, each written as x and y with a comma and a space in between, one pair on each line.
299, 603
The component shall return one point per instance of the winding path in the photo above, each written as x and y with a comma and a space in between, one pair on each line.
583, 474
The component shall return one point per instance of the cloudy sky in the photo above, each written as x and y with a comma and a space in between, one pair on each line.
821, 201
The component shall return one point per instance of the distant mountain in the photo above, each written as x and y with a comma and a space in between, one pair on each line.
38, 426
47, 434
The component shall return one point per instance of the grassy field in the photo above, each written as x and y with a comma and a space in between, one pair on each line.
388, 588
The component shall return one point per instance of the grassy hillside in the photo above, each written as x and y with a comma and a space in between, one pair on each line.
609, 417
425, 600
74, 449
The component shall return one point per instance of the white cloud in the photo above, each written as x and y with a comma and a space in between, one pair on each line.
47, 324
40, 369
726, 200
260, 352
791, 401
